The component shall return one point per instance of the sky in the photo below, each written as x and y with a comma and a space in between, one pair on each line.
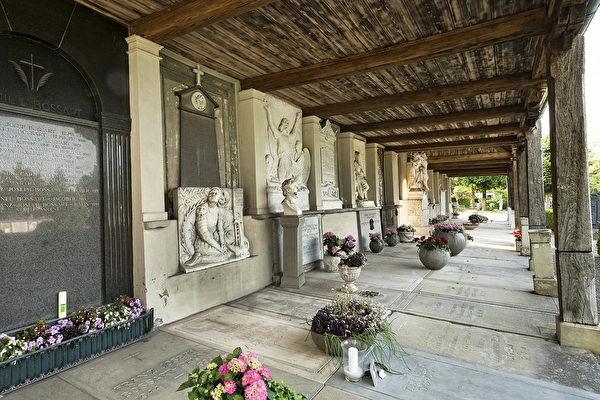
592, 83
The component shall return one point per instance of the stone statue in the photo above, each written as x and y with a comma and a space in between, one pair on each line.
290, 192
285, 139
360, 179
419, 170
217, 235
301, 165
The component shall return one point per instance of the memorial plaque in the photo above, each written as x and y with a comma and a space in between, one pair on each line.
387, 217
49, 215
370, 222
312, 249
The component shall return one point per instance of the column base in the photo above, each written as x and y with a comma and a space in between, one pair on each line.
578, 335
293, 282
545, 286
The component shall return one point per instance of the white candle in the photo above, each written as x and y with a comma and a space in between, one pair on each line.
353, 376
353, 360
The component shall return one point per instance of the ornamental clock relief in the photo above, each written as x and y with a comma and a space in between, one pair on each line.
199, 101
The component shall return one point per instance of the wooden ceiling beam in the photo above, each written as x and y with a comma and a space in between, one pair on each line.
439, 93
477, 173
474, 115
453, 166
187, 16
447, 133
468, 158
456, 144
512, 27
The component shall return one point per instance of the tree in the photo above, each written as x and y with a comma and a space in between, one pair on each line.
482, 184
594, 167
547, 170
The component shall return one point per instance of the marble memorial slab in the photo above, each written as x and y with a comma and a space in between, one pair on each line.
534, 323
330, 190
524, 355
226, 328
514, 298
312, 247
210, 227
369, 222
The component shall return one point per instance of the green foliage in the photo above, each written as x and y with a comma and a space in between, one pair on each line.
279, 390
482, 184
465, 202
549, 218
546, 165
594, 167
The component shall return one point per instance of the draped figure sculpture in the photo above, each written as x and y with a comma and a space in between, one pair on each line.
419, 170
360, 179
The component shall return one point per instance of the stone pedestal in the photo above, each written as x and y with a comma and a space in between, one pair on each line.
544, 279
525, 245
418, 211
293, 273
578, 335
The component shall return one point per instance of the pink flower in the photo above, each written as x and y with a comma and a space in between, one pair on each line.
265, 373
250, 377
237, 365
224, 369
230, 387
256, 391
334, 249
327, 234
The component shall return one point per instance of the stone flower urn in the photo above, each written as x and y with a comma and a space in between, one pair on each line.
456, 241
349, 275
392, 240
331, 263
406, 237
376, 246
518, 245
434, 259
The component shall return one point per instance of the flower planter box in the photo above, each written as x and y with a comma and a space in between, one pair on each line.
28, 368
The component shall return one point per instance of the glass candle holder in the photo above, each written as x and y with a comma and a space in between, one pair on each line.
354, 352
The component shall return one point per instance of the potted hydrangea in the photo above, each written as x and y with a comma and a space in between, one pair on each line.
236, 376
434, 252
391, 237
455, 234
347, 317
406, 233
376, 243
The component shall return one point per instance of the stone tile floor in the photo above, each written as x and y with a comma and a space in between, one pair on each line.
471, 330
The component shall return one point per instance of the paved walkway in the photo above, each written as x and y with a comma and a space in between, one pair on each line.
471, 330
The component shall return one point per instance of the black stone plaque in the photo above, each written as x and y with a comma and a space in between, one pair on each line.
50, 220
387, 217
199, 162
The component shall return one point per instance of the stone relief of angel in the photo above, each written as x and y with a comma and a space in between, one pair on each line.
419, 170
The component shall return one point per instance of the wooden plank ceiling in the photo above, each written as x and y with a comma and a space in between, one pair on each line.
460, 80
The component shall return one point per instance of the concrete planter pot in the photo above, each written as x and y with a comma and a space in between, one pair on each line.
376, 246
331, 263
30, 367
329, 344
456, 241
392, 240
434, 259
406, 237
349, 275
518, 245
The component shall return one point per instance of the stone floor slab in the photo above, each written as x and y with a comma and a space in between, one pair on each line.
331, 393
270, 338
506, 319
507, 282
490, 295
435, 377
516, 354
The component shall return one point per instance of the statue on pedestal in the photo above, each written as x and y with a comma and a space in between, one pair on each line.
419, 170
360, 180
290, 192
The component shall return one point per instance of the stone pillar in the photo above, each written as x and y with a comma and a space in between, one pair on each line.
404, 188
515, 177
373, 172
522, 181
436, 193
252, 135
391, 178
293, 273
577, 324
311, 139
147, 151
346, 173
544, 281
535, 194
525, 245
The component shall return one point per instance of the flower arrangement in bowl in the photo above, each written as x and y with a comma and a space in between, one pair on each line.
475, 219
406, 233
332, 244
355, 260
236, 376
350, 268
391, 237
434, 252
367, 320
518, 236
335, 248
438, 219
454, 233
376, 243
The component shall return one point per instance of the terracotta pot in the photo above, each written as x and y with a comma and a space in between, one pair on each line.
406, 237
456, 241
331, 263
392, 240
434, 259
349, 275
376, 246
